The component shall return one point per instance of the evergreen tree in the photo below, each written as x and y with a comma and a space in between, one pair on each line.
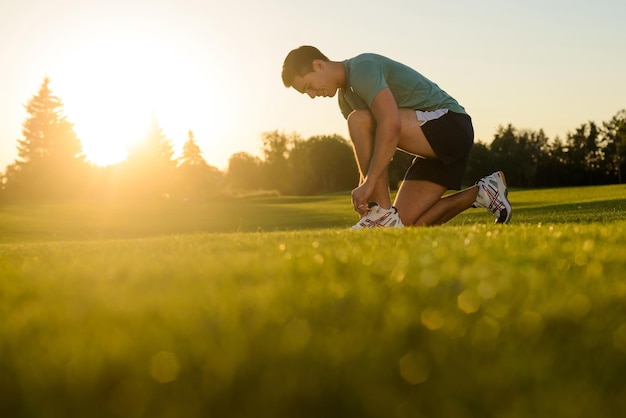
520, 153
50, 162
533, 147
506, 150
149, 168
614, 143
558, 171
584, 153
192, 154
197, 180
479, 164
155, 150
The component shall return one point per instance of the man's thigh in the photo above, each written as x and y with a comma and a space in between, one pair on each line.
412, 138
415, 198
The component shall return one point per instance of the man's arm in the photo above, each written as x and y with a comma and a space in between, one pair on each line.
386, 136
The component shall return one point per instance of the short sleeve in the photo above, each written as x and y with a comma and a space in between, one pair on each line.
367, 79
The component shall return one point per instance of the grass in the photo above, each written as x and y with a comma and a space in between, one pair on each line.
123, 220
98, 220
114, 311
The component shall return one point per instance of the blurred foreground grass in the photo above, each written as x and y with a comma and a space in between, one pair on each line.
465, 320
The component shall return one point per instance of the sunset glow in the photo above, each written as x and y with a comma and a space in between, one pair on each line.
214, 67
112, 88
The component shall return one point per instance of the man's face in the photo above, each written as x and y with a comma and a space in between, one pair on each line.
317, 83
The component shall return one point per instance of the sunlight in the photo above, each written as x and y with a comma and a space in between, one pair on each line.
112, 88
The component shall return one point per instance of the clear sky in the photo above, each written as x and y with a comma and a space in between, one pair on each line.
213, 67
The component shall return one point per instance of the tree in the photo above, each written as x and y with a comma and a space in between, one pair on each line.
50, 163
192, 154
551, 164
333, 162
322, 164
508, 152
614, 143
3, 183
533, 147
276, 148
521, 153
479, 164
244, 171
149, 168
196, 179
397, 168
584, 152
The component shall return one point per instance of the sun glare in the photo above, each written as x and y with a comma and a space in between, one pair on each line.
112, 88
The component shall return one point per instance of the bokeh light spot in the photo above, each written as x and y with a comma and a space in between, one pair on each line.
432, 319
469, 301
414, 368
164, 367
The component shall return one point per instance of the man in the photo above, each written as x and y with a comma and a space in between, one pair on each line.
389, 105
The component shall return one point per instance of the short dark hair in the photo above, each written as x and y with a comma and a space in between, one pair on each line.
299, 62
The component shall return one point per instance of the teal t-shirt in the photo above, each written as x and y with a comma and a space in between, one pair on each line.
368, 74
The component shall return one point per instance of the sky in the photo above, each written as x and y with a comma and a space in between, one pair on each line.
213, 67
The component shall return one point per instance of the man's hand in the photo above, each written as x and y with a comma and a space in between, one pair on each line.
385, 140
360, 197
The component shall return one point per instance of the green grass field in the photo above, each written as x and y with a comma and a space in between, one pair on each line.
271, 307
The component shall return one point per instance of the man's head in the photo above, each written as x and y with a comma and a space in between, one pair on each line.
299, 62
309, 71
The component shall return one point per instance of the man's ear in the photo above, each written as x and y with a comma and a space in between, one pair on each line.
318, 65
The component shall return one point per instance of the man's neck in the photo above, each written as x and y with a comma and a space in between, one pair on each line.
339, 73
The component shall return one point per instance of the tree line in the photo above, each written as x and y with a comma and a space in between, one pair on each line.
51, 164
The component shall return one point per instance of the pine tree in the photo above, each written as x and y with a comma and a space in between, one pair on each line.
615, 145
192, 154
150, 165
50, 161
155, 150
197, 179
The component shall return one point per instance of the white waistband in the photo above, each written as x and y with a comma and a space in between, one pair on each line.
425, 116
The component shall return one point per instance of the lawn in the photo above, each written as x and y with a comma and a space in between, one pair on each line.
272, 308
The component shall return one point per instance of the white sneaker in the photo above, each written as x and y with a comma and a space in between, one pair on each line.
493, 196
379, 217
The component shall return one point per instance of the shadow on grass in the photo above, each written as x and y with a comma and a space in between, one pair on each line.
95, 220
122, 220
586, 212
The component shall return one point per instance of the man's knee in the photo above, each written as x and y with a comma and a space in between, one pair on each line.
360, 119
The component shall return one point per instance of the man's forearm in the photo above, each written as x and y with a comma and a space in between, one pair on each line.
385, 143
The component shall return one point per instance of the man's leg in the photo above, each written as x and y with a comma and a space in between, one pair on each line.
420, 203
362, 128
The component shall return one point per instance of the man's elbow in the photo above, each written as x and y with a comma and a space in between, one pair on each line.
391, 130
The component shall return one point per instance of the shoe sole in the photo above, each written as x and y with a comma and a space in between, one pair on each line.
505, 214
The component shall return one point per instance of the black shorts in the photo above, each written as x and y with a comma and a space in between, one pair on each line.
451, 136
